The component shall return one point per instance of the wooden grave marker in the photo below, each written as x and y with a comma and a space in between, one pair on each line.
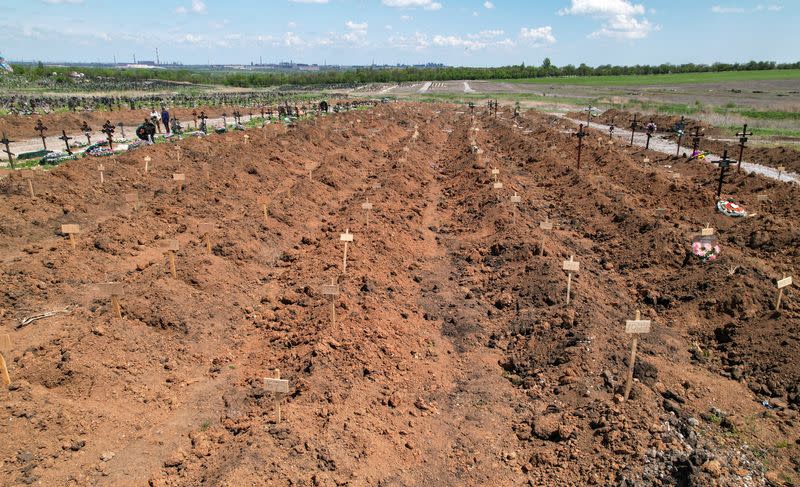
102, 169
71, 229
331, 290
171, 246
780, 169
179, 178
570, 266
277, 386
544, 226
147, 160
27, 175
5, 348
114, 290
634, 327
345, 237
781, 284
205, 230
246, 138
367, 207
515, 200
660, 213
762, 198
707, 231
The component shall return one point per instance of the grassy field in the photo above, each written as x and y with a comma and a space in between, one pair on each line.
666, 79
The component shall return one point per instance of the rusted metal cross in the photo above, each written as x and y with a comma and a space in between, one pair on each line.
66, 138
651, 127
203, 119
194, 117
41, 129
724, 164
87, 131
696, 140
580, 134
742, 141
108, 129
679, 130
633, 128
5, 142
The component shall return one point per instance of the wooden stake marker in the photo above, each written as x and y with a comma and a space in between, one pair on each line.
27, 175
171, 246
114, 290
570, 266
147, 160
179, 178
497, 185
345, 237
785, 282
205, 230
71, 229
246, 138
102, 169
5, 348
660, 212
264, 201
368, 208
707, 231
516, 200
634, 327
544, 226
331, 290
780, 169
277, 386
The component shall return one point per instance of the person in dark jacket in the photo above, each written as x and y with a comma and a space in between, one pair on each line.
165, 119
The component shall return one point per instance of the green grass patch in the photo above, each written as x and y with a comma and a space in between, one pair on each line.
666, 79
765, 132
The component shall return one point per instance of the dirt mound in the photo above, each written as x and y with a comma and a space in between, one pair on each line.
452, 358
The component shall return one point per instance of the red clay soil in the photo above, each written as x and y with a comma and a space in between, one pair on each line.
453, 359
788, 157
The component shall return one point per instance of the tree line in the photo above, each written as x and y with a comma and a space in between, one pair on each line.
380, 75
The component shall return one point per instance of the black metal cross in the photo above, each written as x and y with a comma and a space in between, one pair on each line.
611, 128
724, 164
5, 142
588, 116
696, 140
41, 129
236, 117
651, 127
679, 129
203, 118
194, 117
108, 129
633, 128
66, 138
742, 141
87, 130
580, 134
224, 119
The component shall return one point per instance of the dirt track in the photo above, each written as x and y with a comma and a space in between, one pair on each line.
453, 360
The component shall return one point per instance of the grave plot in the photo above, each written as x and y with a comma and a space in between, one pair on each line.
446, 350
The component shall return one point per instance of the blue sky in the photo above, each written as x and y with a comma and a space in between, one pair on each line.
464, 32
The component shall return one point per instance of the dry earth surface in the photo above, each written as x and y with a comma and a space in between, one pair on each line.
453, 359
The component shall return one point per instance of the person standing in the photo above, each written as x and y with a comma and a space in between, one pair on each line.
165, 119
156, 121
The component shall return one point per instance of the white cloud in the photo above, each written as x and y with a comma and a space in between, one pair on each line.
291, 24
426, 4
621, 19
191, 39
488, 4
290, 39
197, 7
356, 26
417, 41
406, 18
486, 34
388, 27
539, 36
719, 9
473, 42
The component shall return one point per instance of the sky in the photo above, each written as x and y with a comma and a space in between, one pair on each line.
362, 32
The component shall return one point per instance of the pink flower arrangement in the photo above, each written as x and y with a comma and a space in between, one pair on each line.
706, 249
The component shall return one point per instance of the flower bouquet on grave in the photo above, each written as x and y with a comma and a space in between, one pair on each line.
699, 155
706, 247
55, 158
137, 143
96, 150
729, 208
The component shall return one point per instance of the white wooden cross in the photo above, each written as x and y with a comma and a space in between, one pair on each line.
570, 266
345, 237
147, 160
634, 327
